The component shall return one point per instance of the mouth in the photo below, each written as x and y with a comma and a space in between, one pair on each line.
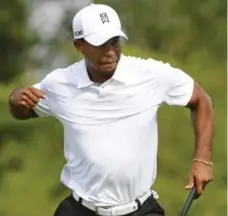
111, 61
109, 65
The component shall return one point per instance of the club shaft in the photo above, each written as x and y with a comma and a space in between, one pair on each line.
188, 202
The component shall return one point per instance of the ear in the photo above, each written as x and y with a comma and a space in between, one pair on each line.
79, 45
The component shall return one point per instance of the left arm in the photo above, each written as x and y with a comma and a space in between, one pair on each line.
176, 88
203, 123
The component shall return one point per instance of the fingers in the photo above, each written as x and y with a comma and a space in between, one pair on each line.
30, 97
190, 182
29, 101
200, 175
193, 182
36, 92
199, 186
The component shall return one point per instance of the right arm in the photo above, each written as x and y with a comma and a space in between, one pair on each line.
23, 100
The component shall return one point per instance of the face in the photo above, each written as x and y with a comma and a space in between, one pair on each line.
101, 59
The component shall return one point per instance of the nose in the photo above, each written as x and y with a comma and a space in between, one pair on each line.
108, 49
108, 46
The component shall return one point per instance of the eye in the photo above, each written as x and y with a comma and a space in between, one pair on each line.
115, 41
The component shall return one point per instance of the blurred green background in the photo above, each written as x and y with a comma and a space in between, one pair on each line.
36, 37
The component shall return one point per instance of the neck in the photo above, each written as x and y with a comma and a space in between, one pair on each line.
97, 76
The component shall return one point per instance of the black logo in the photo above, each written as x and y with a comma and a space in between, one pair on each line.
104, 18
78, 33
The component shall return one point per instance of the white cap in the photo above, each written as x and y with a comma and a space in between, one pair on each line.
97, 24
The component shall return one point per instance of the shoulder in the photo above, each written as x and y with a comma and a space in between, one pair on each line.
62, 76
145, 67
144, 63
131, 61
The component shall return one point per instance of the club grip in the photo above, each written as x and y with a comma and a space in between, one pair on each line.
188, 202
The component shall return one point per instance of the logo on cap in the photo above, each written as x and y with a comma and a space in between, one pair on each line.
104, 18
78, 33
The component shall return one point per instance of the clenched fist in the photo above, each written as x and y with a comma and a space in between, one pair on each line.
200, 175
26, 97
22, 101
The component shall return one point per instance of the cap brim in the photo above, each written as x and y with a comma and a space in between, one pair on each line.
100, 37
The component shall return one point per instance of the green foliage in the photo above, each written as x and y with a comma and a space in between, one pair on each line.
14, 39
188, 34
175, 27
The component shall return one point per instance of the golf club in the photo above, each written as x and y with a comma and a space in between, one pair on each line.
189, 201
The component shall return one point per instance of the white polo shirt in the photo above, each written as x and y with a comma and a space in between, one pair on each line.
110, 130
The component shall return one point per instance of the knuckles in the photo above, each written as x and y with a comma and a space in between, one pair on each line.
204, 179
23, 97
26, 91
27, 96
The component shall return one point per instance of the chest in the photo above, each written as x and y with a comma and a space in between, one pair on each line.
97, 104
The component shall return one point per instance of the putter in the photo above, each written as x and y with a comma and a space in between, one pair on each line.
189, 201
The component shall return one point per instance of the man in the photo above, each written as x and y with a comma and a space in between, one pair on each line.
107, 104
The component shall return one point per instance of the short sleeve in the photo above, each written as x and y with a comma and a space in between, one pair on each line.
172, 85
42, 108
179, 87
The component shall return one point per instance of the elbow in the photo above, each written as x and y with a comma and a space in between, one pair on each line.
200, 100
204, 106
207, 101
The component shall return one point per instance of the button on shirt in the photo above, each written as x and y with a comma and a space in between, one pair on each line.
110, 130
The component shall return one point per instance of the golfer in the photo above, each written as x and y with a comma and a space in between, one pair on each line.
107, 104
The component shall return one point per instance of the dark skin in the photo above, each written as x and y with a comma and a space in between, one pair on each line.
203, 124
102, 60
101, 64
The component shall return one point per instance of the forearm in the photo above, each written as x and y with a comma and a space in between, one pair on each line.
203, 123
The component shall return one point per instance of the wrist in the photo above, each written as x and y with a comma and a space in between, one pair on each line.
208, 163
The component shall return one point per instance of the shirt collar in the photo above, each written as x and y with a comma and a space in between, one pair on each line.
119, 74
84, 80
